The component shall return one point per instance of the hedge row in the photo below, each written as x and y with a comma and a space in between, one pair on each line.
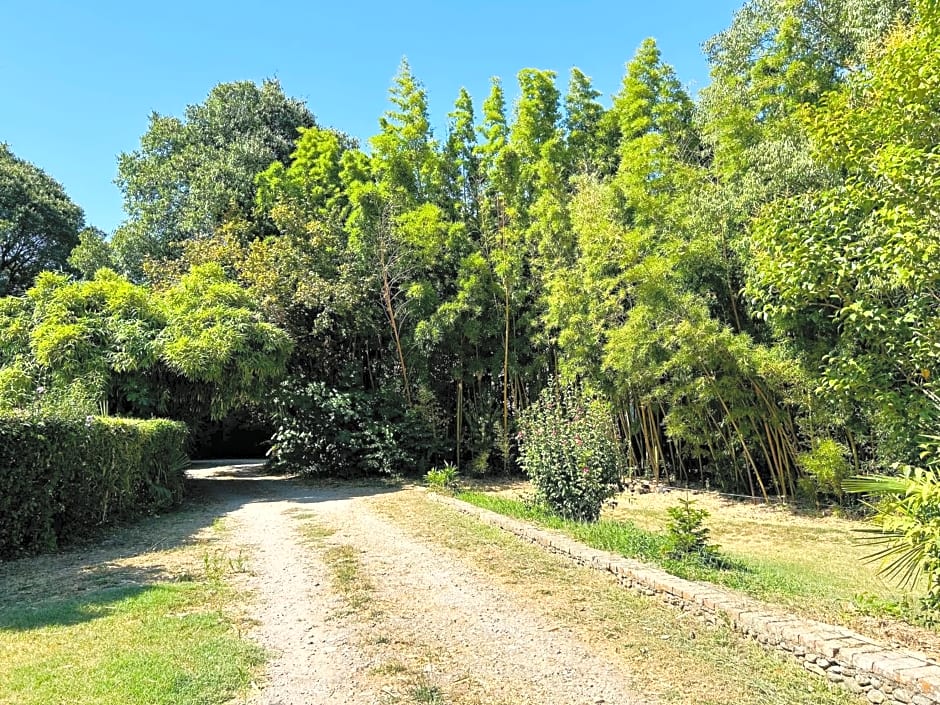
59, 477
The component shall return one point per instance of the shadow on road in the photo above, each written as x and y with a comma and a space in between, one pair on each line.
235, 483
83, 581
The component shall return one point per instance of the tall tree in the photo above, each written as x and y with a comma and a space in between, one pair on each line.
535, 137
462, 162
776, 56
39, 223
847, 272
191, 174
93, 252
406, 161
588, 145
310, 184
652, 101
498, 164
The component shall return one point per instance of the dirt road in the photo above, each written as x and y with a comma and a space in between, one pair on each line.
355, 610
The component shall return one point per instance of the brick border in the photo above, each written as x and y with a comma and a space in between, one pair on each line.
864, 666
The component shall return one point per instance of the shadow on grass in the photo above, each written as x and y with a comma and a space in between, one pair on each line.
85, 580
65, 612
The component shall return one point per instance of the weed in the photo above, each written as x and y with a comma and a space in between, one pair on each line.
428, 694
424, 690
216, 564
444, 479
391, 668
907, 608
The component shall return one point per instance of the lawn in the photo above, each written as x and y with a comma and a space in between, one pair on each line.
119, 625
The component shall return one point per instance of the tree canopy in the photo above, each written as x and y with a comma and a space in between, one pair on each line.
747, 279
39, 223
191, 174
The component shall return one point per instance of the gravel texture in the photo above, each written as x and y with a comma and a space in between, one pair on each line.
470, 641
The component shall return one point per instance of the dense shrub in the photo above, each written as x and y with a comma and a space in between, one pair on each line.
61, 476
568, 446
322, 430
826, 466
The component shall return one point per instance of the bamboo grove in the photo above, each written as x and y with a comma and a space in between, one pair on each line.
750, 277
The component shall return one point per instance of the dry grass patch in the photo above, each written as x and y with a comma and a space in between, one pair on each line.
674, 656
812, 564
351, 581
824, 544
407, 669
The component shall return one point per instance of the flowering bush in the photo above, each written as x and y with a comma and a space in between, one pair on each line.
569, 448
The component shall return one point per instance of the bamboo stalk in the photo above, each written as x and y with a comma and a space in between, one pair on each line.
459, 417
744, 448
506, 375
850, 437
390, 309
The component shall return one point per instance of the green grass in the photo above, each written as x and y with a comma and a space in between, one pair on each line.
349, 578
147, 644
816, 593
428, 694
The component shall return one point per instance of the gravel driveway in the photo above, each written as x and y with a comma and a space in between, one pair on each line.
474, 642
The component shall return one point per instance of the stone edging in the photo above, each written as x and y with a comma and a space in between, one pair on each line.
864, 666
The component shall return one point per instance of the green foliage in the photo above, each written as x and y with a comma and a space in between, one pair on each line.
213, 338
686, 533
905, 609
461, 162
652, 101
191, 174
192, 350
848, 270
774, 58
827, 465
907, 515
406, 163
749, 280
589, 145
322, 430
63, 476
568, 447
312, 182
39, 224
93, 252
443, 478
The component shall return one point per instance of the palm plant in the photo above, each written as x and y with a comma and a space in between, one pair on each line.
907, 522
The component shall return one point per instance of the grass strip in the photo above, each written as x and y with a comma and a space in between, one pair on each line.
782, 583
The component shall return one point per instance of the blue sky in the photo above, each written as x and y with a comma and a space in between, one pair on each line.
81, 78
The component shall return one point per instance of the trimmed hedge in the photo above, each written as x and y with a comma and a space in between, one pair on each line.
59, 477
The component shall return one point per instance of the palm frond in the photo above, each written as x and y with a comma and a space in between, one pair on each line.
876, 484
